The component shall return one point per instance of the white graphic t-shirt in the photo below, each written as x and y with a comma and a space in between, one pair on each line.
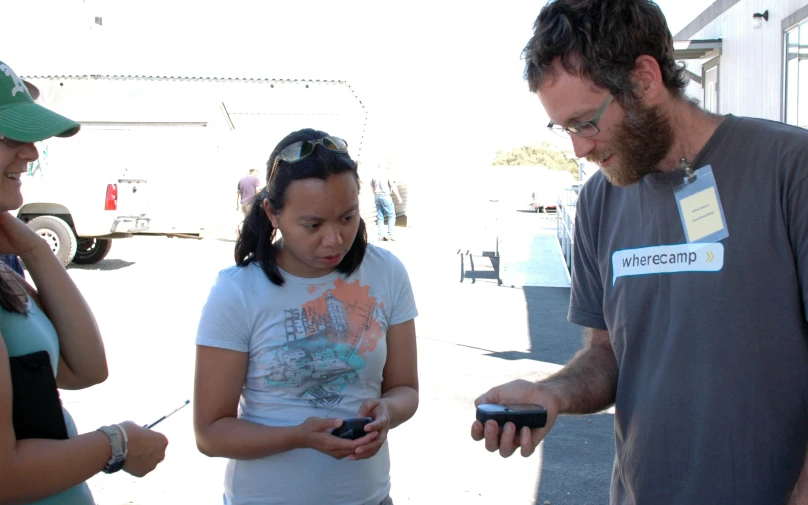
317, 348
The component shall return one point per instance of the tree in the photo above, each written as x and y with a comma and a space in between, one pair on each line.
545, 155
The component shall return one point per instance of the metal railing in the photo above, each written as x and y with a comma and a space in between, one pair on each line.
565, 224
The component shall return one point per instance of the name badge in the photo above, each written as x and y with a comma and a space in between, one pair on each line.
700, 207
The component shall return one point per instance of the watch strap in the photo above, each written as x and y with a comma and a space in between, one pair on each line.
125, 440
118, 457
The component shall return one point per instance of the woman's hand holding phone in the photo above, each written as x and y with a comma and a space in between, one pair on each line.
377, 410
315, 433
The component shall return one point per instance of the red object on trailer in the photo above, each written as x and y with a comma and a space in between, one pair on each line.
111, 200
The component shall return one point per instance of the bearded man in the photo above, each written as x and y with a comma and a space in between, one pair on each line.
690, 273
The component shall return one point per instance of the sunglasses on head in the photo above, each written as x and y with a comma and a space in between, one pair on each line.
297, 151
13, 144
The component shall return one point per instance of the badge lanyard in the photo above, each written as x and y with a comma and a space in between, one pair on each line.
700, 205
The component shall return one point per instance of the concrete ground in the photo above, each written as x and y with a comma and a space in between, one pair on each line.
147, 296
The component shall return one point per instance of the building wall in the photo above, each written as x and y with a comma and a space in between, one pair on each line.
751, 65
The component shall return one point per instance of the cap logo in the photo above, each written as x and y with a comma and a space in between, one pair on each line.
19, 86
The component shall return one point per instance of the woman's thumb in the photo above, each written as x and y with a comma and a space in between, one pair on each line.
317, 424
330, 424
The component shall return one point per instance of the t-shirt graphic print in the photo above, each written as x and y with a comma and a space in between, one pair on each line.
327, 344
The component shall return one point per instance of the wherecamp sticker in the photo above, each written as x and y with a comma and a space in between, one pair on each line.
667, 259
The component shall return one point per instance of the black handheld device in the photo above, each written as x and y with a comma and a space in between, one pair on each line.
520, 414
352, 428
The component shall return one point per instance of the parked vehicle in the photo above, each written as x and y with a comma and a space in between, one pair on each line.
159, 155
80, 195
544, 201
550, 189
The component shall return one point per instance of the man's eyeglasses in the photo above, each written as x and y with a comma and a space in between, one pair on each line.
299, 150
13, 144
584, 129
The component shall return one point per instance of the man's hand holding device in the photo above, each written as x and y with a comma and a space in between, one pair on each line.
518, 414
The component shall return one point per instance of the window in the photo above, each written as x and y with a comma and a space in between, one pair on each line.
796, 75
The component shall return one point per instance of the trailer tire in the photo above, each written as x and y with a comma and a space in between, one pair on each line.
58, 235
92, 250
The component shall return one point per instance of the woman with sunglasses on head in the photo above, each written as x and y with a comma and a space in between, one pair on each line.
48, 340
304, 332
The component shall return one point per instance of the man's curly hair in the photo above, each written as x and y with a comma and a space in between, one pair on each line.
601, 40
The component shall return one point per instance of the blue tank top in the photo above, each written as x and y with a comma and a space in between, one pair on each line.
24, 334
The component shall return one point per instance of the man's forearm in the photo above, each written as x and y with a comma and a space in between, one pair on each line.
589, 381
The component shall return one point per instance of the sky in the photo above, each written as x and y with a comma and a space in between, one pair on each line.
442, 79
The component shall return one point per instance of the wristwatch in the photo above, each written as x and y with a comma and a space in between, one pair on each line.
118, 458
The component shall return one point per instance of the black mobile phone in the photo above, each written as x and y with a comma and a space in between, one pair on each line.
520, 414
352, 428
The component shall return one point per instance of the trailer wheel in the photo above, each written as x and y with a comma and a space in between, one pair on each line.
58, 235
92, 250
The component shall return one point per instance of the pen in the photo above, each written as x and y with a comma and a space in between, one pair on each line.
149, 426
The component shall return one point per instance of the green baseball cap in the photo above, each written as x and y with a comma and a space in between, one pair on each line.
24, 120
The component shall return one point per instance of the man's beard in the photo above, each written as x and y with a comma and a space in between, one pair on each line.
641, 141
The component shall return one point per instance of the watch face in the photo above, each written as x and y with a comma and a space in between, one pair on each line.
115, 466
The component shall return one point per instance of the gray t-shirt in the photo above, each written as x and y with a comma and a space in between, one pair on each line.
712, 396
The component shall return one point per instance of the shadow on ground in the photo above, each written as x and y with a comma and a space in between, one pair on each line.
469, 269
113, 264
552, 338
577, 461
578, 454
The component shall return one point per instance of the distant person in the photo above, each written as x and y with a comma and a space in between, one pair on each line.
302, 333
248, 187
383, 187
48, 339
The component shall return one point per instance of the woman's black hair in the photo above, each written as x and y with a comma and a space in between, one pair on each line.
255, 243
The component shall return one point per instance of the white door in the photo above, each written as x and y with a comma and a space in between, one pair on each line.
711, 89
